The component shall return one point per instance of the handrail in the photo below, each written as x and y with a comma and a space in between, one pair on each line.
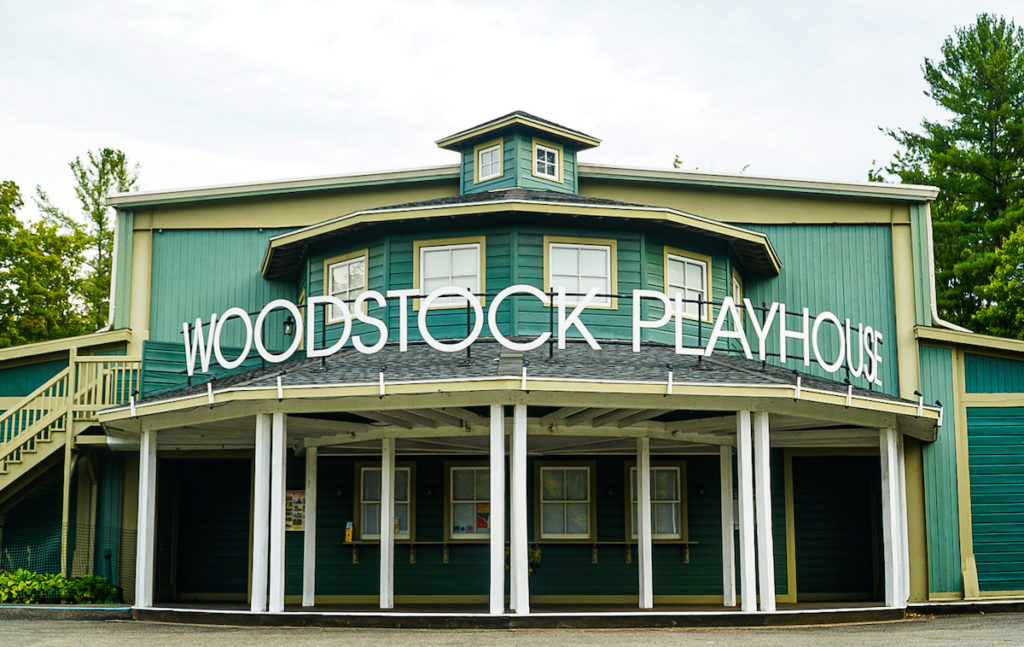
40, 430
23, 414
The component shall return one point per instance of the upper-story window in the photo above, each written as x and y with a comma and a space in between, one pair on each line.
687, 275
580, 266
488, 161
346, 279
456, 263
547, 161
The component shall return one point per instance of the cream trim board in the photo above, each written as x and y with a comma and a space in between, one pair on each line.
536, 147
514, 119
702, 259
613, 263
968, 567
336, 260
417, 273
993, 400
479, 149
57, 345
979, 343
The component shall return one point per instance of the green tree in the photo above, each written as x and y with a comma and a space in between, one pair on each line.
100, 174
40, 276
976, 158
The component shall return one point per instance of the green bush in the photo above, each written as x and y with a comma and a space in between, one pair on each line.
26, 587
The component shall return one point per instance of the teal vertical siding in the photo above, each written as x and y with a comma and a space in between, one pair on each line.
110, 474
846, 270
941, 509
996, 447
985, 374
200, 272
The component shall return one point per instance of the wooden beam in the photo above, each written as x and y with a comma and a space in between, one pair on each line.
584, 417
559, 415
640, 416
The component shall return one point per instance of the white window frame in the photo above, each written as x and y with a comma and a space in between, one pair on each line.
421, 265
496, 149
678, 501
476, 535
609, 249
363, 501
541, 502
671, 291
333, 314
539, 148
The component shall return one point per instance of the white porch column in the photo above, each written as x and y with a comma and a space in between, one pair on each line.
748, 577
643, 534
146, 537
387, 523
892, 532
763, 478
519, 561
904, 530
278, 465
261, 514
512, 511
497, 501
728, 531
309, 533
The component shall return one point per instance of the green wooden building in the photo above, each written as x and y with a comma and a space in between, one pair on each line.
516, 381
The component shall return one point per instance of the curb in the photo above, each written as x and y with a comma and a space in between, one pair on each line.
605, 620
62, 612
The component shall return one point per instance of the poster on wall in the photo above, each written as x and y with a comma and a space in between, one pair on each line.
294, 509
483, 516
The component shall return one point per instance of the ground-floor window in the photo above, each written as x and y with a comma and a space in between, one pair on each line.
565, 502
666, 501
469, 496
369, 502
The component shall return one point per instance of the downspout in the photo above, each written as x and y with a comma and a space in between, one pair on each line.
931, 273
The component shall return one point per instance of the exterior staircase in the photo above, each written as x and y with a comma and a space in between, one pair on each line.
35, 431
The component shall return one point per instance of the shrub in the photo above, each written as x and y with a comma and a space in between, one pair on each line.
26, 587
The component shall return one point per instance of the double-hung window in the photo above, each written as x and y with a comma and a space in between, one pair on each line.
370, 502
666, 501
565, 502
346, 279
580, 267
470, 500
687, 277
454, 265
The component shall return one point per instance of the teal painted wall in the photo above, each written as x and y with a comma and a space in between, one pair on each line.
110, 474
199, 272
524, 156
846, 270
506, 180
941, 509
22, 380
163, 367
123, 270
996, 448
836, 503
985, 374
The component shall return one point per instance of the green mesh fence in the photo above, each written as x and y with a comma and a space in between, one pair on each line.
105, 551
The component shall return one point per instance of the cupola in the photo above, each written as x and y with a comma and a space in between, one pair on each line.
518, 150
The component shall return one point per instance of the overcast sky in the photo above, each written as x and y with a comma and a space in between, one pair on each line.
214, 92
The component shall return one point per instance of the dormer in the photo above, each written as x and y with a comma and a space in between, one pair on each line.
518, 150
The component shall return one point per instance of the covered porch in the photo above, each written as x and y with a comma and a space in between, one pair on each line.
525, 427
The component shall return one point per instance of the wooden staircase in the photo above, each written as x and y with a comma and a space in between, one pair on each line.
36, 429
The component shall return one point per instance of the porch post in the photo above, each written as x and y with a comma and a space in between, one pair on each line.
278, 465
763, 476
261, 514
497, 515
748, 577
728, 531
309, 532
512, 511
643, 534
904, 530
891, 524
520, 566
387, 523
146, 537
